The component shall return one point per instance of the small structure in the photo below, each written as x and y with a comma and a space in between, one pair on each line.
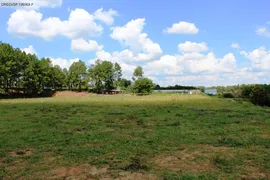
116, 91
195, 91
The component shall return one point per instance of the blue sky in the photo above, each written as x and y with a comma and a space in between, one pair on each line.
176, 42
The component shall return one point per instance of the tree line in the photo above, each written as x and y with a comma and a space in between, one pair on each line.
28, 74
258, 94
176, 87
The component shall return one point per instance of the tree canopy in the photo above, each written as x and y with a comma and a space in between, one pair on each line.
138, 73
104, 75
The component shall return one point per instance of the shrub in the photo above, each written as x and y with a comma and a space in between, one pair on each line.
260, 95
143, 86
246, 90
227, 95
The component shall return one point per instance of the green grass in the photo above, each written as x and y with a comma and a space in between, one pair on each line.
212, 138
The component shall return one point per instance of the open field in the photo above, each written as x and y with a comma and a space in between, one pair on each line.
133, 137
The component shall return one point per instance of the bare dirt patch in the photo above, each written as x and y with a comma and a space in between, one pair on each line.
80, 172
196, 160
253, 176
21, 153
135, 176
91, 172
70, 94
253, 121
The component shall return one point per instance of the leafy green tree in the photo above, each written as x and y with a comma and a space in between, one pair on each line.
260, 95
77, 75
58, 77
46, 70
117, 71
246, 90
104, 75
144, 86
31, 80
138, 73
7, 62
124, 83
157, 87
66, 78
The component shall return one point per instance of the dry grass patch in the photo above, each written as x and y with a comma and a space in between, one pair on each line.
196, 159
80, 172
136, 176
71, 94
21, 153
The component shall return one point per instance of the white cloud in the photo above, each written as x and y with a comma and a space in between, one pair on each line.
235, 46
260, 58
80, 24
191, 64
182, 28
63, 63
193, 47
242, 76
140, 45
105, 16
263, 32
30, 50
34, 4
189, 68
82, 45
166, 65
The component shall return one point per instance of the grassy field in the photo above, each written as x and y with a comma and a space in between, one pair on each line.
134, 137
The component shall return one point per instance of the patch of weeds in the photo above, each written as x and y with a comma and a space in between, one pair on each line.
132, 117
27, 114
179, 115
20, 153
115, 113
197, 109
2, 154
228, 141
170, 175
223, 163
235, 115
74, 112
223, 110
184, 176
135, 165
2, 172
140, 122
176, 123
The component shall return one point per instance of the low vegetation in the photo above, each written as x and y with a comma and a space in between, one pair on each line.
258, 94
133, 137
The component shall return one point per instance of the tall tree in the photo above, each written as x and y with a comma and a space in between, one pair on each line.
7, 61
104, 75
138, 73
77, 75
46, 79
32, 79
58, 77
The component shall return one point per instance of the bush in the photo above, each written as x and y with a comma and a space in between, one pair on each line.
260, 95
246, 90
143, 86
227, 95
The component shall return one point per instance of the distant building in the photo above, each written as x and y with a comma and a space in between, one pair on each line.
195, 91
